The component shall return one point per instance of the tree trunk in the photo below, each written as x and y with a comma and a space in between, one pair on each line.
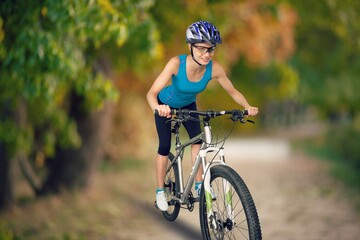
7, 160
74, 168
6, 179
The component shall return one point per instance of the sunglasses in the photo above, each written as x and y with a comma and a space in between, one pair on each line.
204, 50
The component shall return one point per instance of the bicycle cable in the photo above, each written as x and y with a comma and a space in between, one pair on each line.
221, 147
190, 118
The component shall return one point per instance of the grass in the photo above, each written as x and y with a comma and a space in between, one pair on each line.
127, 163
70, 216
339, 168
92, 214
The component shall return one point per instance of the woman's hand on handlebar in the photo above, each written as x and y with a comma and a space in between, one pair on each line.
252, 111
163, 111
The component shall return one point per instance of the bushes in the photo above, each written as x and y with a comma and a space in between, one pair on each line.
344, 141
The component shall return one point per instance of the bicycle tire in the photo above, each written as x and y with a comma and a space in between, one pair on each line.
244, 223
171, 184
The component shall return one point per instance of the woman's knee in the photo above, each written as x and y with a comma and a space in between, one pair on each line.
164, 150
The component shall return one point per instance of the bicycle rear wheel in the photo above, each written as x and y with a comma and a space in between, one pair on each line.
172, 187
234, 212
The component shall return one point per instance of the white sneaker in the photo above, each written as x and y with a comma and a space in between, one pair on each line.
161, 201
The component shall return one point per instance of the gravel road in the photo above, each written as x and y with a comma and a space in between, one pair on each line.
295, 198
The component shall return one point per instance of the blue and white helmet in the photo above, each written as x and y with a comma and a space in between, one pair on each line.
203, 32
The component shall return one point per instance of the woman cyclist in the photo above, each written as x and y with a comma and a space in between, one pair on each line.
189, 75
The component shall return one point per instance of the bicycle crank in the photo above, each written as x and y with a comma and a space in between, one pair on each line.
190, 202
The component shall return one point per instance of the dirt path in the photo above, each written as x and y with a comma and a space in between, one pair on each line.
295, 198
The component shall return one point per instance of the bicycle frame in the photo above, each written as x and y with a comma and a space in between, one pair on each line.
205, 148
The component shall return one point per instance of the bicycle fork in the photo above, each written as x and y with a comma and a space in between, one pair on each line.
210, 196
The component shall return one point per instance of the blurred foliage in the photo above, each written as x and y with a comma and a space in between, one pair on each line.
345, 142
328, 62
48, 50
327, 56
343, 167
5, 232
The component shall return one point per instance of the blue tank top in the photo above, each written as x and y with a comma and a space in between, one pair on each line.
183, 92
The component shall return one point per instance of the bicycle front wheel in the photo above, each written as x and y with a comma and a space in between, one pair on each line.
172, 188
232, 213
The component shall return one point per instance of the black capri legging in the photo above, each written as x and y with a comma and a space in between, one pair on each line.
164, 130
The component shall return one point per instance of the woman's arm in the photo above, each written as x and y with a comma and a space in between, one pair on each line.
220, 75
160, 82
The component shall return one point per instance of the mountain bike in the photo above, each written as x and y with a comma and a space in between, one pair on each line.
226, 207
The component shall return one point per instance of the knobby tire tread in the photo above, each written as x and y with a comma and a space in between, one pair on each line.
246, 199
172, 213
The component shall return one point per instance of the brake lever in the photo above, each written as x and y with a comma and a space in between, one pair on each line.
241, 120
176, 120
247, 120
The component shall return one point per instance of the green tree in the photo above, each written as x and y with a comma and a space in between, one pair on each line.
328, 57
56, 69
328, 61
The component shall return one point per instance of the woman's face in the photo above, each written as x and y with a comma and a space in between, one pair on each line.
202, 52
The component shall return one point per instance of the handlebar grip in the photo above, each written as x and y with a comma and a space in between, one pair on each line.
173, 111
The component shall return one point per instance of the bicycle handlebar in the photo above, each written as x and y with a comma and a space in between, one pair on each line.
209, 113
236, 115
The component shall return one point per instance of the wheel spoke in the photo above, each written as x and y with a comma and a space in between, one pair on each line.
229, 208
